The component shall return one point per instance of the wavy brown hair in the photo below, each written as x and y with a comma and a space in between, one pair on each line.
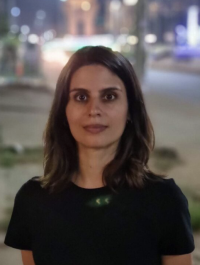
130, 164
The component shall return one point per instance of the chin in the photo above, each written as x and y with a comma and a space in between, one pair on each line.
97, 143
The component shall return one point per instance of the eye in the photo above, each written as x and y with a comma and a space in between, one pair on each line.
80, 97
110, 96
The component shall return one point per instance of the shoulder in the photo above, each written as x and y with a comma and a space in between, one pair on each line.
172, 202
165, 187
29, 188
167, 193
30, 184
172, 193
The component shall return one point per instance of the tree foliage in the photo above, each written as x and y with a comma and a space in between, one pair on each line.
4, 28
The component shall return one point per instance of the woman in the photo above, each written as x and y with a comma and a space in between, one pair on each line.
98, 202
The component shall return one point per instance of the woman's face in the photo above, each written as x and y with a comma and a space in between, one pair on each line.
89, 103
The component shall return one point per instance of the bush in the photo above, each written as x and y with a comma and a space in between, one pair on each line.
9, 156
165, 158
194, 208
7, 159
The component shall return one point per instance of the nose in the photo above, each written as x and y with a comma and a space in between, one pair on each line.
94, 107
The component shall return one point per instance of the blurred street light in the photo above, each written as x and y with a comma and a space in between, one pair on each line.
41, 14
33, 38
85, 6
15, 11
49, 35
115, 5
193, 25
169, 37
181, 30
132, 40
130, 2
25, 29
150, 38
57, 56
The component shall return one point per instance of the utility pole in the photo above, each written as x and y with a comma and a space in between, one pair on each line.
139, 32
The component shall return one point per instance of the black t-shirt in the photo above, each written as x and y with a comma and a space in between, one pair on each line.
98, 227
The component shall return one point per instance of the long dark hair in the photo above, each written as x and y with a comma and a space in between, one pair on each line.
130, 164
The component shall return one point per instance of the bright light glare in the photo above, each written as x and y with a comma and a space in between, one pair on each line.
150, 38
85, 6
115, 5
130, 2
116, 47
55, 56
25, 29
122, 39
33, 38
15, 11
132, 40
192, 25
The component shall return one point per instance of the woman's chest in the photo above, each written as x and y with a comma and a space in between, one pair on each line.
102, 232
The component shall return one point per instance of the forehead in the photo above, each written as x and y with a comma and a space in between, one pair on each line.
97, 74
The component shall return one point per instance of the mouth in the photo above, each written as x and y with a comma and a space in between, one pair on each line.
95, 128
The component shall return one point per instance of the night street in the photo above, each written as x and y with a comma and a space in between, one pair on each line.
179, 85
161, 40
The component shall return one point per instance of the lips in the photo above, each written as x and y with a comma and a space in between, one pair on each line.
95, 126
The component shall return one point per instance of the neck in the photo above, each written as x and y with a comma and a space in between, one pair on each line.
91, 165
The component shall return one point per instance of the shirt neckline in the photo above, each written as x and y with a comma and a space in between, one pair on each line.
89, 189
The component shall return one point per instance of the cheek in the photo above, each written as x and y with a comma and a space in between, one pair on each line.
69, 114
119, 113
73, 115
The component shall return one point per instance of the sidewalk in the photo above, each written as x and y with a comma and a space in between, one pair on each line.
168, 64
24, 81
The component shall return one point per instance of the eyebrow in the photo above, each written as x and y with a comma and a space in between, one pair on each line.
102, 90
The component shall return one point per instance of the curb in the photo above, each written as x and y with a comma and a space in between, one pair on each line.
176, 67
39, 84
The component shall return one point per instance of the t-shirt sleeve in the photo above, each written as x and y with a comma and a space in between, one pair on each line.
176, 235
18, 232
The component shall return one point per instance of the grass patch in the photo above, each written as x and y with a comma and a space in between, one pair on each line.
164, 158
10, 157
194, 208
